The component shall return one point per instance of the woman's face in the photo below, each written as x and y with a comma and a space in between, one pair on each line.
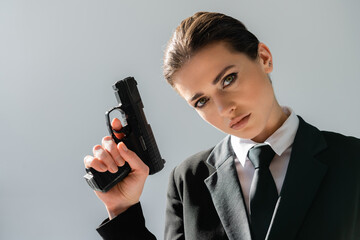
231, 92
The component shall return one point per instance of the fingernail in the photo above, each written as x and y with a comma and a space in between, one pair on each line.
87, 160
103, 167
118, 160
124, 147
107, 144
99, 152
107, 138
114, 169
97, 148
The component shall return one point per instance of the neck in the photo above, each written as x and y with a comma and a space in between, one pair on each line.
276, 120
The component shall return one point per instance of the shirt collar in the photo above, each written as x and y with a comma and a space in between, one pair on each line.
279, 141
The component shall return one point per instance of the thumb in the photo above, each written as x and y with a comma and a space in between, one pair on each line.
132, 158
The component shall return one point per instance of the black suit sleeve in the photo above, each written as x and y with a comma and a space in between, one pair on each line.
174, 225
129, 225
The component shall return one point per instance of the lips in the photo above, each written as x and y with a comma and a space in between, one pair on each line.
239, 122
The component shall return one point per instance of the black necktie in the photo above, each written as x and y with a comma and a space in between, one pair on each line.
263, 192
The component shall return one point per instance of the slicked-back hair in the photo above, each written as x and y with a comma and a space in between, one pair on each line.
202, 29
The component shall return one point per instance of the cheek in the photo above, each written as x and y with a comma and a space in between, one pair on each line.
203, 115
258, 90
210, 117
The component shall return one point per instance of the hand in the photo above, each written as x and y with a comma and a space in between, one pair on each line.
107, 157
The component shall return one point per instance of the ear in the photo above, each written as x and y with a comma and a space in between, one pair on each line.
265, 58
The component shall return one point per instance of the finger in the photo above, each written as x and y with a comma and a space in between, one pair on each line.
116, 125
110, 146
105, 157
134, 161
91, 162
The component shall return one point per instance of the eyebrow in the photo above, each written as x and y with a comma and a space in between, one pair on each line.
214, 82
221, 74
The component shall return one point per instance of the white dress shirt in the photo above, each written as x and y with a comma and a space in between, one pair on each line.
280, 141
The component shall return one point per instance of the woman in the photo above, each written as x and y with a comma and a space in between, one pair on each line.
222, 70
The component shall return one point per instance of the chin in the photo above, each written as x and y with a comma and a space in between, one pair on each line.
247, 133
242, 134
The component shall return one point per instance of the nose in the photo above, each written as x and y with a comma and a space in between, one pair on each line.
224, 104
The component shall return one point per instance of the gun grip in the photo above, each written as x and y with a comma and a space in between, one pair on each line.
104, 181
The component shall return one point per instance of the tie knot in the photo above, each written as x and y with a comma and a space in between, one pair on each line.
261, 155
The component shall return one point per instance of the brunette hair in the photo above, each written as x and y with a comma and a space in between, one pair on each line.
201, 29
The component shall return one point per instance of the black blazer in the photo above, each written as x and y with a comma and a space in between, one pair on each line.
320, 197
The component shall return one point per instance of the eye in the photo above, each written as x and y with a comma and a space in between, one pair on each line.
201, 102
229, 79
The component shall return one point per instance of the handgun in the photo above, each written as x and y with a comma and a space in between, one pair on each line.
138, 136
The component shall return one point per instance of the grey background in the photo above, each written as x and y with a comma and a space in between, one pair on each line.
58, 60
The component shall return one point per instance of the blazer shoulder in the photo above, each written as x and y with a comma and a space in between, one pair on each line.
194, 165
327, 141
342, 142
342, 150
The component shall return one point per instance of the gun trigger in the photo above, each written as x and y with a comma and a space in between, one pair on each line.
120, 131
125, 130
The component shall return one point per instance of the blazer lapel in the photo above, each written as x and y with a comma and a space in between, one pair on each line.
225, 190
302, 180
